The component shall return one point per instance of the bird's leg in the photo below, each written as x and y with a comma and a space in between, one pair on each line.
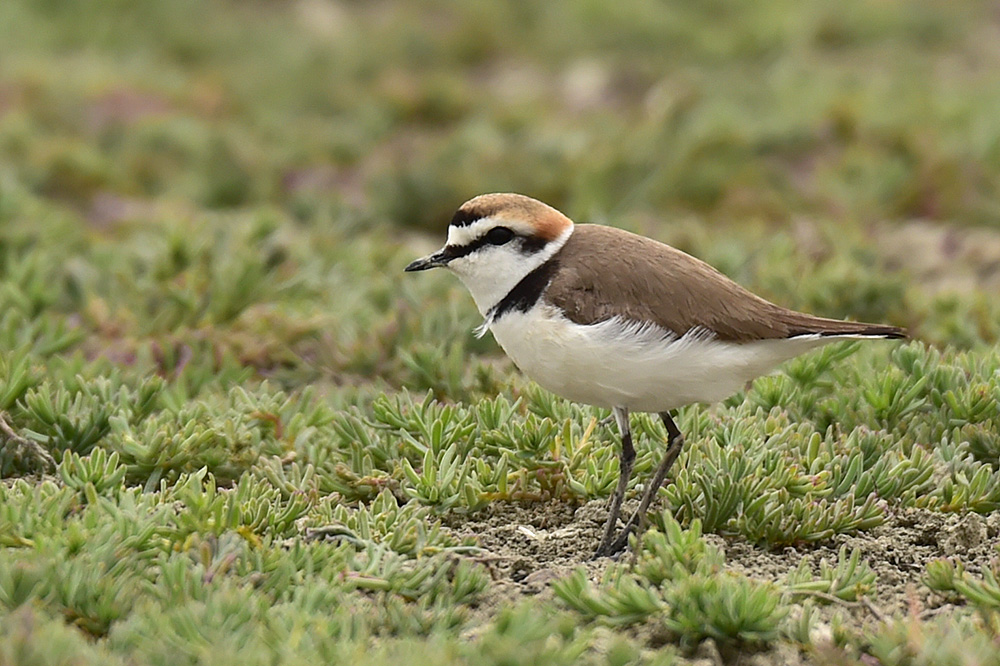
626, 460
639, 517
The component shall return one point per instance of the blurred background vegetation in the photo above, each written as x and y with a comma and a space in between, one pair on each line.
859, 111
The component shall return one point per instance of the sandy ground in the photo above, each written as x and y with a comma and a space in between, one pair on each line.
529, 546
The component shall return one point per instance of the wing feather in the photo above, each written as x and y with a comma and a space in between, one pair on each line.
606, 272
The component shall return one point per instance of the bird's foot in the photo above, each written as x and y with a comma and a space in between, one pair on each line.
611, 547
604, 549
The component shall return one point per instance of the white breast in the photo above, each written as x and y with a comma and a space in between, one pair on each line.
623, 364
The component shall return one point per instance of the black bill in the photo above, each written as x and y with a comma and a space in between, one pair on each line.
433, 261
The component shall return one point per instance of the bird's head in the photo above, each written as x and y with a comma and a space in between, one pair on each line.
495, 240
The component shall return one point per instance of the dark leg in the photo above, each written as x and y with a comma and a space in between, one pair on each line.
639, 517
626, 460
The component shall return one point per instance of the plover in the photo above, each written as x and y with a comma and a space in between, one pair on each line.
605, 317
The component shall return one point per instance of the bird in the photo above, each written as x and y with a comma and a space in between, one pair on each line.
602, 316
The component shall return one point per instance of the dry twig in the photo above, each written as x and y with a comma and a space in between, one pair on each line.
864, 602
33, 449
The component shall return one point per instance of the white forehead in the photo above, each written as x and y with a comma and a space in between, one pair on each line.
470, 232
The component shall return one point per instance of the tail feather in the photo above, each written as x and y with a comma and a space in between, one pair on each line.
830, 328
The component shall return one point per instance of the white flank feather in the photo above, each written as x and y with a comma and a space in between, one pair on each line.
618, 363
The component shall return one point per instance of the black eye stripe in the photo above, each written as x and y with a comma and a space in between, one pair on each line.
532, 244
456, 251
529, 245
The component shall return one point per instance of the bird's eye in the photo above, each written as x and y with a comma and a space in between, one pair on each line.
499, 235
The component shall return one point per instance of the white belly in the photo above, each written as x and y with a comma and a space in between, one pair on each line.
621, 364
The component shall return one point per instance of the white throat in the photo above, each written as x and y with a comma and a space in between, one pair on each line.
490, 275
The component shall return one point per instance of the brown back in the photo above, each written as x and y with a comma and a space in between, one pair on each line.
606, 272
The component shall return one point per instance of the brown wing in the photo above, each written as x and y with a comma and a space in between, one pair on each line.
606, 272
